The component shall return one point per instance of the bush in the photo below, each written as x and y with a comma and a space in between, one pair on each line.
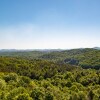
23, 96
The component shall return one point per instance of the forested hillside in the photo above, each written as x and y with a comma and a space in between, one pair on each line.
23, 54
54, 75
86, 58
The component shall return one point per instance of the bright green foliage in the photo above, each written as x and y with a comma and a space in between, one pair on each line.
59, 87
2, 84
23, 96
58, 77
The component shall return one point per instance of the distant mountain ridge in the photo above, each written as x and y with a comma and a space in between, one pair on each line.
97, 48
84, 57
18, 50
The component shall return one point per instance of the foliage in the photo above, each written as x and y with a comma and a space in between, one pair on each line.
86, 58
62, 86
59, 76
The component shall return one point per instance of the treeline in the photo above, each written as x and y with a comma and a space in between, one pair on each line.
33, 68
86, 58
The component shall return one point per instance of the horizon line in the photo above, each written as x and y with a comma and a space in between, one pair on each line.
47, 48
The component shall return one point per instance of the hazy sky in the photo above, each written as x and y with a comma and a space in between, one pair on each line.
46, 24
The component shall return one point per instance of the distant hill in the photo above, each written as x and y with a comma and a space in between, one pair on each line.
84, 57
98, 48
29, 53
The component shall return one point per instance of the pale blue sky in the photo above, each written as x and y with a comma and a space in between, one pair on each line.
49, 24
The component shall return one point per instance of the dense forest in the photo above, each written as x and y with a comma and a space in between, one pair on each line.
50, 75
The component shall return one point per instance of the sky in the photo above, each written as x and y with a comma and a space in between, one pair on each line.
49, 24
